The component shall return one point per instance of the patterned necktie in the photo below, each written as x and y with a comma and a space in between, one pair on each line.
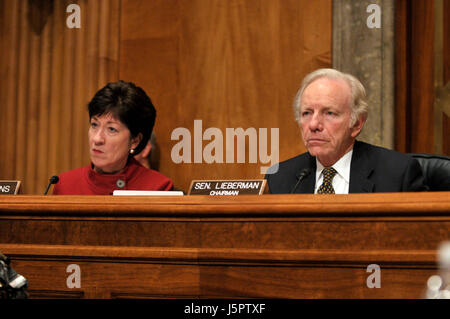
327, 187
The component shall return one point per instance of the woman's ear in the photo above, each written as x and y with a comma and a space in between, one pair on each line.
136, 140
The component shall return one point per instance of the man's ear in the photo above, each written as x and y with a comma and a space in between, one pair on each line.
146, 151
357, 127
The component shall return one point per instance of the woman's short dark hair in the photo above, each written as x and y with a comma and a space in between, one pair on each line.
128, 103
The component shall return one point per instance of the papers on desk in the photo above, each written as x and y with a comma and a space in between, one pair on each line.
147, 193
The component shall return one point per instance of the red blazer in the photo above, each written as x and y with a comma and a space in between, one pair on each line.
86, 181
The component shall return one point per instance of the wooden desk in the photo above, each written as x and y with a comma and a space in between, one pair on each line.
270, 246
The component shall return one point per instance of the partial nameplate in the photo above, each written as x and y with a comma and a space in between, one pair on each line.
228, 187
9, 187
147, 193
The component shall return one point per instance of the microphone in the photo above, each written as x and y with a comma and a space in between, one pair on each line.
303, 173
53, 180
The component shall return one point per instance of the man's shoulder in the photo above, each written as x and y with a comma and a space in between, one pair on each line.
291, 165
282, 177
379, 152
388, 170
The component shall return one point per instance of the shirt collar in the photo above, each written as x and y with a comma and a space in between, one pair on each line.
342, 167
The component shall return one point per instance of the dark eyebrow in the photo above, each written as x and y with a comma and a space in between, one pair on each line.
95, 118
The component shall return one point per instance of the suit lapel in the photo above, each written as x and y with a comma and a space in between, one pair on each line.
361, 168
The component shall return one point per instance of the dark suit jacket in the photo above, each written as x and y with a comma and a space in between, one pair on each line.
373, 169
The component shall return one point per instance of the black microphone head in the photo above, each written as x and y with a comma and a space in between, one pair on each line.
54, 179
304, 172
300, 176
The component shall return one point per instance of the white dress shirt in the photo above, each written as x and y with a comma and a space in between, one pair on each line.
341, 180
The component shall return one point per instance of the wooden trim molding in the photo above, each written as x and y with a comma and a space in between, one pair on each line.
168, 255
432, 203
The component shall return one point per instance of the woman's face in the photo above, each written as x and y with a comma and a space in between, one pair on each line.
110, 143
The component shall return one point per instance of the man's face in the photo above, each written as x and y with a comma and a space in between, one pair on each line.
325, 120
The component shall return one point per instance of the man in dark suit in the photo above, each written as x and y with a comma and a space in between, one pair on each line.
331, 110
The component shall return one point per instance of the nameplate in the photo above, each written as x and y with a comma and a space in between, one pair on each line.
9, 187
227, 187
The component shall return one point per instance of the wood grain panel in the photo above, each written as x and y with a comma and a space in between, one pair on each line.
210, 273
115, 278
418, 77
45, 76
22, 92
228, 63
143, 280
269, 246
8, 93
422, 76
51, 73
446, 75
446, 39
402, 76
310, 282
268, 234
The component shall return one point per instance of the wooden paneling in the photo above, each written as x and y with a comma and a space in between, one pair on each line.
271, 246
422, 73
446, 38
184, 273
446, 79
422, 76
230, 64
50, 74
402, 77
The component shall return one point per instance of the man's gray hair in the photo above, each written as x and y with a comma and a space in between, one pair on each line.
358, 103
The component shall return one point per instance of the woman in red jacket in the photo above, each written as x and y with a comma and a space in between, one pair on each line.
122, 117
